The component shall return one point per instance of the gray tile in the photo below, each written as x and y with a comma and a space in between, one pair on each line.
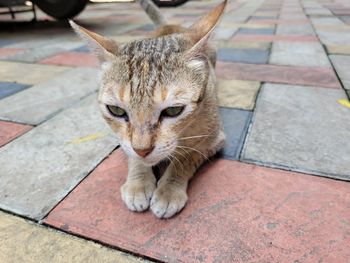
302, 29
42, 166
42, 101
9, 88
300, 128
38, 53
236, 124
257, 31
342, 65
256, 56
224, 33
299, 54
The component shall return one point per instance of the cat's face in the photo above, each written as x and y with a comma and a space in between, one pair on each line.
152, 89
149, 96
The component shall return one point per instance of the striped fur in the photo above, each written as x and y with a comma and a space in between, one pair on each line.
145, 77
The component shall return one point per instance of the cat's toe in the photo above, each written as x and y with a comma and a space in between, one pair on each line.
166, 203
137, 196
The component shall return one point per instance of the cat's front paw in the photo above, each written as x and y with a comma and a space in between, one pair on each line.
168, 200
137, 194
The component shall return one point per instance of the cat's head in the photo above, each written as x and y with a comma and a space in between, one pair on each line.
151, 89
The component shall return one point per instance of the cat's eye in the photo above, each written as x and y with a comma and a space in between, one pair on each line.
172, 111
117, 112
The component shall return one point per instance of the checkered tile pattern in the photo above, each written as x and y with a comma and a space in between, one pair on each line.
269, 196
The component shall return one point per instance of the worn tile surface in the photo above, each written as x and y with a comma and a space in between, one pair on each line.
27, 73
42, 101
24, 241
299, 54
236, 123
74, 59
342, 65
320, 76
9, 131
237, 93
9, 88
298, 132
256, 56
61, 152
236, 213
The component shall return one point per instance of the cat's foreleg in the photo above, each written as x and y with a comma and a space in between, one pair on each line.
140, 184
170, 195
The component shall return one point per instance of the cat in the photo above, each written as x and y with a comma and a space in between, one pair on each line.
159, 96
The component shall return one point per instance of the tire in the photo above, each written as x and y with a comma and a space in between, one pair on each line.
169, 3
61, 9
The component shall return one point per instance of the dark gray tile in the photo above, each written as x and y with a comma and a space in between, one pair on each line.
9, 88
256, 56
236, 123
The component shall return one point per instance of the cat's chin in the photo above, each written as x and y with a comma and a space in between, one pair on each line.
150, 163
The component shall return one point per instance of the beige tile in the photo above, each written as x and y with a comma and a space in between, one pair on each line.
237, 93
23, 241
338, 49
28, 73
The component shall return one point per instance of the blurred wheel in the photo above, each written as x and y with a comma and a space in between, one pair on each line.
168, 3
61, 9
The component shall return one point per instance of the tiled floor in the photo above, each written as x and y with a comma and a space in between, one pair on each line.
283, 90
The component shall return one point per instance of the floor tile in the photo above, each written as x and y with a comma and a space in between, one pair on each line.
273, 38
236, 123
35, 54
302, 30
342, 64
280, 21
257, 31
299, 54
9, 88
27, 73
21, 240
58, 159
83, 49
338, 49
237, 93
256, 56
242, 45
9, 131
5, 52
236, 213
245, 25
74, 59
224, 33
5, 42
300, 128
311, 76
42, 101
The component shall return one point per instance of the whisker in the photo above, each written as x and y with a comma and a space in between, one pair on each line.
196, 136
193, 149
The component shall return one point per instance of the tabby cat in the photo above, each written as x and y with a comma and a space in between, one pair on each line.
159, 97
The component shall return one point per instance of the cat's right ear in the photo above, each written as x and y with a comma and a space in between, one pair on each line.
105, 49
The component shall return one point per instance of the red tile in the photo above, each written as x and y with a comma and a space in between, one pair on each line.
74, 59
273, 38
236, 213
309, 76
5, 52
10, 131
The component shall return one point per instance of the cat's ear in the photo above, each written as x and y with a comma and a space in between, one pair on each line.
200, 31
105, 49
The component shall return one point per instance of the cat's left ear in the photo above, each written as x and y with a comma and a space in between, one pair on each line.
105, 49
200, 32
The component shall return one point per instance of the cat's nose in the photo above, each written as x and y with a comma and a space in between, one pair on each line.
144, 152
